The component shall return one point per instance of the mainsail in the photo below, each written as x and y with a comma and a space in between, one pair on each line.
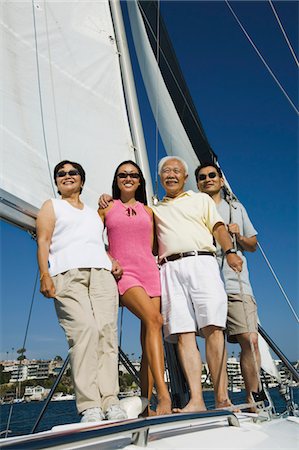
62, 98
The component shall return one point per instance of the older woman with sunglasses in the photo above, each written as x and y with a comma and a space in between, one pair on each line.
130, 229
75, 270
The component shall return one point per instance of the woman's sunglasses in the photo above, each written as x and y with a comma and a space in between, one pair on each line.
125, 175
71, 173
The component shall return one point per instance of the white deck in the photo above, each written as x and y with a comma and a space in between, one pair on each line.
196, 433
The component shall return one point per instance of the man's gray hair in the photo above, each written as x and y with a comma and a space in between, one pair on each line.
166, 158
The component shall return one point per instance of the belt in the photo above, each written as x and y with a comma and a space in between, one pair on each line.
184, 255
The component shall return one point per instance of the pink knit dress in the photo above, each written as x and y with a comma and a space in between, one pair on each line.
129, 232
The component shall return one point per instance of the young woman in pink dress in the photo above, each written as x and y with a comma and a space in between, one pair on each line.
130, 230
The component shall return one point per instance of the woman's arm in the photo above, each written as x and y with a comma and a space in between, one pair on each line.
45, 224
154, 242
102, 213
116, 270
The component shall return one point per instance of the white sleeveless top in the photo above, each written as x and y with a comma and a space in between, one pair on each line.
77, 240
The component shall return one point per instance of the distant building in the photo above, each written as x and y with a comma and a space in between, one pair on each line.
38, 370
55, 366
28, 370
35, 393
41, 369
234, 373
19, 373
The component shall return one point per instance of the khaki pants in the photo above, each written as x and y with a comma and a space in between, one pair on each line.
241, 317
87, 307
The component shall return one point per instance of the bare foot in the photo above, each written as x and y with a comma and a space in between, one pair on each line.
224, 404
164, 406
192, 406
251, 409
148, 412
227, 404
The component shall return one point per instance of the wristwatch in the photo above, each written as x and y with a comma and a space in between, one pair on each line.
231, 250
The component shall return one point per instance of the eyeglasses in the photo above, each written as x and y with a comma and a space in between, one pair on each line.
202, 176
71, 173
131, 175
167, 170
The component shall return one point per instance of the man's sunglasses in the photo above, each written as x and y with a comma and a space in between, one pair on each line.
202, 176
71, 173
131, 175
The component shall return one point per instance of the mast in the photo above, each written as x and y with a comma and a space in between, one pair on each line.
130, 94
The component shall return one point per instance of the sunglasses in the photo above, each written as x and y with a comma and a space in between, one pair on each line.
71, 173
131, 175
202, 176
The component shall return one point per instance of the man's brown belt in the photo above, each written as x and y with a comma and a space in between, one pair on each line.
184, 255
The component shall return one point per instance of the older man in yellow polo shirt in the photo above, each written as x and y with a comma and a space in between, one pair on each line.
193, 296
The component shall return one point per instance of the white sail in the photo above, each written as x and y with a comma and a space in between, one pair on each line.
62, 98
267, 362
175, 142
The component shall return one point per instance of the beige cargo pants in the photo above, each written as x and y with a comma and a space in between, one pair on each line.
86, 304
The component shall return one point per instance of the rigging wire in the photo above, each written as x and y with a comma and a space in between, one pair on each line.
229, 193
201, 131
261, 57
40, 98
284, 33
278, 282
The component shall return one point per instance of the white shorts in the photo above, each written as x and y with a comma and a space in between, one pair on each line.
193, 296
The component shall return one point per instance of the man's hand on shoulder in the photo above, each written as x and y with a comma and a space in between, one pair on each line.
104, 201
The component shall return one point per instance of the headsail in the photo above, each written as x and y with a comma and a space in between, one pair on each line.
62, 98
267, 362
166, 85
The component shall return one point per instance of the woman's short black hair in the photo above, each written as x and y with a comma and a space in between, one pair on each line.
140, 193
207, 164
75, 165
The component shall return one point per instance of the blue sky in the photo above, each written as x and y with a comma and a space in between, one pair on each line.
254, 131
